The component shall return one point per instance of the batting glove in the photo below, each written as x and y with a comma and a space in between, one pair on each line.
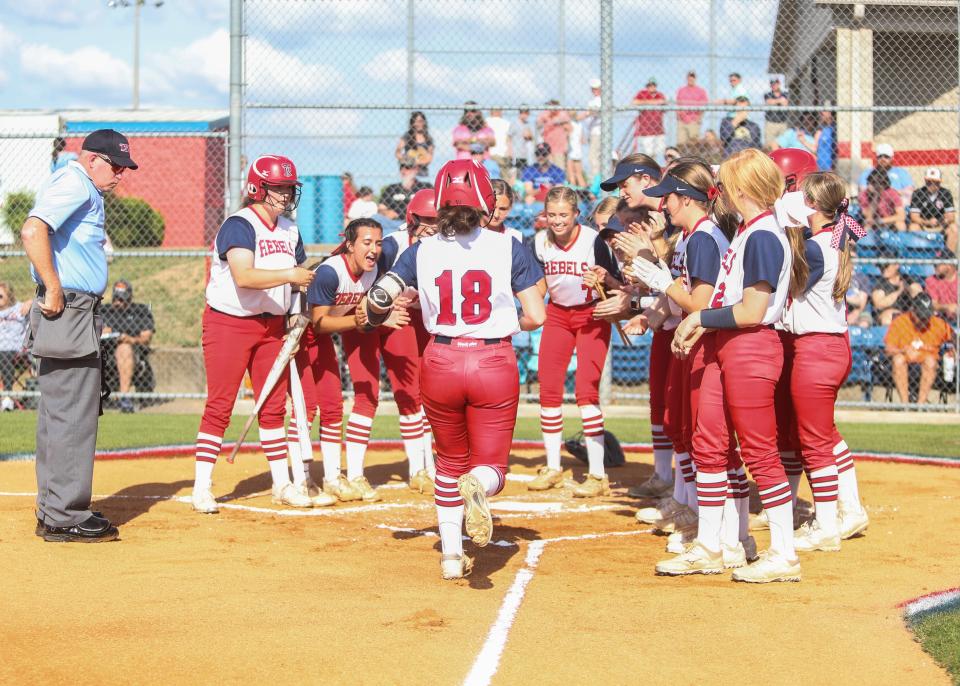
655, 276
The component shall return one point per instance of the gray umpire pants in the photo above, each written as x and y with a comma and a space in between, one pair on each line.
66, 438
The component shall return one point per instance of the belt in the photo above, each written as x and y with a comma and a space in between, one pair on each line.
70, 294
262, 315
448, 340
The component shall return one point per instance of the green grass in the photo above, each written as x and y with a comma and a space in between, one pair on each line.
130, 431
939, 634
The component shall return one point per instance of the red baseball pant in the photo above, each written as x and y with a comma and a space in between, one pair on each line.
660, 357
566, 329
673, 413
363, 351
471, 391
320, 378
711, 428
232, 346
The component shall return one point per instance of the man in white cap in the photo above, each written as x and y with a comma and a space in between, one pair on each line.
591, 127
900, 179
932, 209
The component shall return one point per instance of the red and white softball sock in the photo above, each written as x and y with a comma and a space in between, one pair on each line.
848, 492
823, 483
551, 424
662, 453
592, 419
730, 534
207, 451
778, 505
793, 466
273, 442
689, 471
411, 431
299, 463
330, 449
679, 486
449, 505
711, 496
428, 461
358, 435
491, 478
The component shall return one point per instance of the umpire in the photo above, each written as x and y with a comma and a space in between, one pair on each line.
64, 237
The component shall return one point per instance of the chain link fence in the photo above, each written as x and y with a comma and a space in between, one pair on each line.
370, 97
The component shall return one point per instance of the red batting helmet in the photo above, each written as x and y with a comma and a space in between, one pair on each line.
465, 183
270, 170
795, 164
420, 205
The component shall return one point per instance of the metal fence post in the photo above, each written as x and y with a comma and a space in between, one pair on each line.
606, 144
235, 141
411, 54
956, 323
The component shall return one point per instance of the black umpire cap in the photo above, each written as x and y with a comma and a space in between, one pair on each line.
111, 143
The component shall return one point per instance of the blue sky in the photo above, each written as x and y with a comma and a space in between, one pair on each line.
62, 54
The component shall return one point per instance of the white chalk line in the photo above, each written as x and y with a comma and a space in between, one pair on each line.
488, 659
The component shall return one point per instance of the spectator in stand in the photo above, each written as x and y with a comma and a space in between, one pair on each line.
363, 206
881, 205
671, 155
689, 121
737, 90
710, 148
416, 144
502, 149
825, 142
892, 294
132, 327
575, 155
60, 158
542, 173
394, 198
523, 139
942, 286
858, 297
554, 128
932, 209
737, 132
472, 129
802, 136
648, 135
900, 179
13, 326
776, 121
349, 193
590, 119
915, 338
477, 151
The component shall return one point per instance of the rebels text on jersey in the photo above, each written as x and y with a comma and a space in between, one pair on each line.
337, 287
466, 283
759, 252
816, 311
564, 267
279, 247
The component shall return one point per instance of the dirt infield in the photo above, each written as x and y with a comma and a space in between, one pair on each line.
352, 594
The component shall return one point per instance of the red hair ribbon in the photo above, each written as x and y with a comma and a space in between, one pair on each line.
713, 193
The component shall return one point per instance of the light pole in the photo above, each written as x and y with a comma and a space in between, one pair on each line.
136, 4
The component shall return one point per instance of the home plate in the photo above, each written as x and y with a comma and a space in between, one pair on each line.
518, 506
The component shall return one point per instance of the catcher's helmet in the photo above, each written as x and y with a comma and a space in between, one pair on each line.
795, 164
420, 205
272, 170
464, 183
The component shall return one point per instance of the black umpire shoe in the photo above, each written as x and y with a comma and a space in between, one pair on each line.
40, 527
93, 530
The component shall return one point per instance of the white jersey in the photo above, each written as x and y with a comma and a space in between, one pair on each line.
336, 286
696, 256
730, 282
277, 247
394, 245
510, 231
564, 267
466, 283
816, 311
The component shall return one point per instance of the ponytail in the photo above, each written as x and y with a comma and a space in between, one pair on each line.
844, 273
457, 220
800, 270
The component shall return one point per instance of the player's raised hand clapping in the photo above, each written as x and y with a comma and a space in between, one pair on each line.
637, 326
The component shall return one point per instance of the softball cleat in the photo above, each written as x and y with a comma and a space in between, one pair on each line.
476, 510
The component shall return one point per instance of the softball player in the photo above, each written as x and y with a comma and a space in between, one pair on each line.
469, 378
567, 250
254, 264
749, 297
339, 286
816, 327
503, 194
401, 350
687, 193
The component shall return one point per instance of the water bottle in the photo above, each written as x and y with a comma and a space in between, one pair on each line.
949, 364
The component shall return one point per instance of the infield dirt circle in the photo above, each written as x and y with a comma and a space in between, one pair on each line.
352, 594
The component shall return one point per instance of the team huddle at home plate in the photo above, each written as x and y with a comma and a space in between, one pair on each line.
739, 272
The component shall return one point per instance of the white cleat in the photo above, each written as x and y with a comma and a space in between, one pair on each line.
203, 501
316, 494
853, 523
287, 494
455, 566
768, 568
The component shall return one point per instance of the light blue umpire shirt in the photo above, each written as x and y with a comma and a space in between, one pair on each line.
72, 207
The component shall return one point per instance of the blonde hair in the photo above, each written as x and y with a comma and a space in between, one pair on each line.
562, 194
826, 192
608, 205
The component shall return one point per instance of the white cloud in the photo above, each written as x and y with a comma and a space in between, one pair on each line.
214, 11
52, 12
277, 76
200, 69
88, 70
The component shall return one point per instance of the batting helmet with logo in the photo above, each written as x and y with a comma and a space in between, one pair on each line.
271, 170
464, 183
795, 164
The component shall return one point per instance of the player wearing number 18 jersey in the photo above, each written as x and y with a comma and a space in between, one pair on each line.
466, 278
